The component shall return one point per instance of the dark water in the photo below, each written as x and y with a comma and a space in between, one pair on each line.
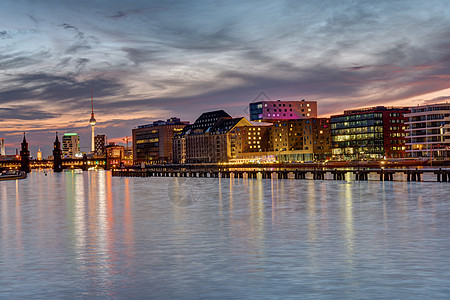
90, 235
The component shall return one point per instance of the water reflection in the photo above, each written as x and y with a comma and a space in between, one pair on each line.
94, 228
90, 235
349, 225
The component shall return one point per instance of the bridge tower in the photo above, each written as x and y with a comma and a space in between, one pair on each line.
57, 155
24, 156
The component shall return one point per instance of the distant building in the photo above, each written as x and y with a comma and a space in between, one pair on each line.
270, 111
284, 141
252, 139
429, 131
369, 133
100, 145
2, 146
301, 140
70, 145
39, 154
152, 143
210, 139
114, 156
222, 141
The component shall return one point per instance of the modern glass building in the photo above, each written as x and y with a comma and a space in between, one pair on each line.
152, 143
369, 133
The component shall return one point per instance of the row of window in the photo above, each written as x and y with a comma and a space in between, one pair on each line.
397, 121
356, 124
431, 109
353, 137
397, 134
356, 117
397, 128
357, 130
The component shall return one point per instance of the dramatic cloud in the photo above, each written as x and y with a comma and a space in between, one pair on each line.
148, 60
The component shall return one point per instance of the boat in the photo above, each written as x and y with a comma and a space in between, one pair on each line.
12, 175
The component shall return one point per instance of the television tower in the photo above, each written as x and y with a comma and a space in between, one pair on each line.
92, 121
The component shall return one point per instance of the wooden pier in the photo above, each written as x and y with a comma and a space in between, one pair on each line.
441, 175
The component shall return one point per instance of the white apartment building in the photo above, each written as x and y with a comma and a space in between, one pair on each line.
429, 131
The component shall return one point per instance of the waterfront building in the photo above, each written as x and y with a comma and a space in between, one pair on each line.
285, 141
210, 139
152, 143
252, 144
301, 140
70, 145
270, 111
222, 140
2, 146
114, 156
369, 133
179, 149
92, 122
250, 139
194, 139
100, 145
429, 131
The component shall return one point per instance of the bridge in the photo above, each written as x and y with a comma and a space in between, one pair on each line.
78, 163
442, 175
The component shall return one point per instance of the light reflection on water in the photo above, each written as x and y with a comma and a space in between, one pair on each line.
89, 235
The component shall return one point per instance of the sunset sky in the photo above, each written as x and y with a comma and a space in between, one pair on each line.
149, 60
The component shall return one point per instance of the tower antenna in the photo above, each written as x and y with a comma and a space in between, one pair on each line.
92, 102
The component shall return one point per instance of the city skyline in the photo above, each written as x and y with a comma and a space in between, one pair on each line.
147, 60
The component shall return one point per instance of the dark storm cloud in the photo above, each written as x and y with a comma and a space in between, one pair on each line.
142, 55
437, 100
13, 62
4, 35
123, 14
21, 59
185, 59
25, 113
81, 64
65, 91
82, 41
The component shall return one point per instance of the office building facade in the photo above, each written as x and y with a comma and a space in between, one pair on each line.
369, 133
100, 145
429, 131
152, 143
70, 145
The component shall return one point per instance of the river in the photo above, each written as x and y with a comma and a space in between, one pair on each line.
84, 235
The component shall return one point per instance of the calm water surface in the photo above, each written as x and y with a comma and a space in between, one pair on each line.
90, 235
